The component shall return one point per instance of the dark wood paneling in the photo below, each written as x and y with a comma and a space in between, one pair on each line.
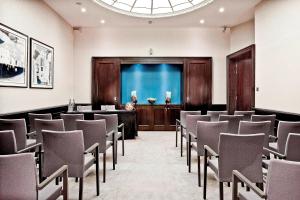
241, 79
105, 82
144, 117
198, 83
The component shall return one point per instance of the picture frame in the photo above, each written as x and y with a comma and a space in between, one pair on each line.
13, 57
41, 65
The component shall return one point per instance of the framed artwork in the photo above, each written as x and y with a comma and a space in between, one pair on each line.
13, 57
42, 65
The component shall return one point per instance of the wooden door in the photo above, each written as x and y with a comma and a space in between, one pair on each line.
198, 83
241, 80
105, 82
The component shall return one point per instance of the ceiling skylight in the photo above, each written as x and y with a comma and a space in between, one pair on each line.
153, 8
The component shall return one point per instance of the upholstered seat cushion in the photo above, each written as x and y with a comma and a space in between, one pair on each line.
214, 165
244, 195
50, 192
273, 146
30, 142
88, 161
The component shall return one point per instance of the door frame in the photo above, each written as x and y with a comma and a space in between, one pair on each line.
238, 55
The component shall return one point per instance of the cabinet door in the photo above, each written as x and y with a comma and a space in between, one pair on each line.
198, 83
105, 82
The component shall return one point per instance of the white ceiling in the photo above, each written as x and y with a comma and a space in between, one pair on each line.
236, 12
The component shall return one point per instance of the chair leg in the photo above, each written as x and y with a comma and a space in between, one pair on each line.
97, 171
113, 152
189, 153
40, 164
176, 141
76, 179
221, 190
123, 147
116, 152
199, 171
205, 174
56, 180
228, 184
104, 167
181, 142
80, 188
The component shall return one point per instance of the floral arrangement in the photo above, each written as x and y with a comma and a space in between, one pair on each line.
151, 100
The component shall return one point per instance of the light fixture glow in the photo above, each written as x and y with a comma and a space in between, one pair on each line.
102, 21
221, 10
83, 10
202, 21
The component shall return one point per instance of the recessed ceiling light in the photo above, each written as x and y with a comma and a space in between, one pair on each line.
83, 9
202, 21
221, 10
102, 21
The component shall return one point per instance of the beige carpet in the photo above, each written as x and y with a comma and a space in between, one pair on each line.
151, 169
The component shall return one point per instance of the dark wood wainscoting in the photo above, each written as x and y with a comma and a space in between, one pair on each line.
241, 79
157, 117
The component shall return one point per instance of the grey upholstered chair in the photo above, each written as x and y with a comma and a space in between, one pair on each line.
112, 125
94, 131
20, 131
247, 114
191, 128
18, 179
235, 152
33, 116
44, 124
214, 115
207, 134
181, 126
67, 148
233, 122
283, 130
249, 127
291, 153
272, 118
70, 120
283, 182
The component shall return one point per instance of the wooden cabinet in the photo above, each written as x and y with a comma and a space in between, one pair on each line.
157, 117
105, 82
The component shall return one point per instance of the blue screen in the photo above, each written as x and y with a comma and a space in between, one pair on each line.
151, 80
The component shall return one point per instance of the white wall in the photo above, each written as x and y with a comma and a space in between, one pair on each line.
242, 36
35, 19
277, 36
174, 42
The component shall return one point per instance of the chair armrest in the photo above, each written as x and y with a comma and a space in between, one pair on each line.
238, 177
30, 148
33, 133
110, 133
192, 135
57, 173
91, 148
211, 151
178, 121
183, 127
275, 153
121, 125
274, 138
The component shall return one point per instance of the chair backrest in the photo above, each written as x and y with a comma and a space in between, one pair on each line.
18, 176
111, 121
247, 114
248, 127
233, 122
283, 130
292, 152
208, 134
184, 113
19, 128
8, 144
215, 114
63, 148
242, 153
272, 118
44, 124
33, 116
191, 122
283, 180
94, 131
70, 120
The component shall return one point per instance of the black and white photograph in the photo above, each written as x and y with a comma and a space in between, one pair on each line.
42, 64
13, 57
